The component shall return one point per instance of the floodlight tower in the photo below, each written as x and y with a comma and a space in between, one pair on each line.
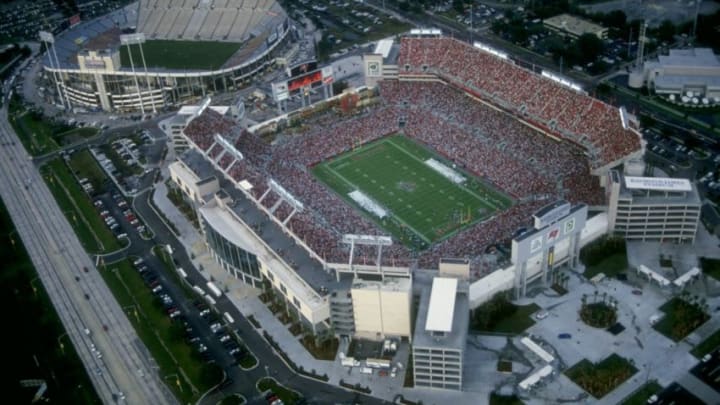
138, 39
49, 39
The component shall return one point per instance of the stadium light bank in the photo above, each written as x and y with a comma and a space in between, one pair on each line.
563, 81
490, 50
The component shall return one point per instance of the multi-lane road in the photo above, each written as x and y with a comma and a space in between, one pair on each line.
116, 360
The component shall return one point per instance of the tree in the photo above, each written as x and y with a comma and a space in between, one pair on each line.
666, 31
596, 295
589, 47
459, 6
615, 19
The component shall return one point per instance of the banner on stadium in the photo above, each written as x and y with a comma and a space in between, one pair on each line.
280, 91
327, 75
307, 80
302, 68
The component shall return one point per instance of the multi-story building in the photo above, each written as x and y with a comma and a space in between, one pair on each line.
440, 334
653, 209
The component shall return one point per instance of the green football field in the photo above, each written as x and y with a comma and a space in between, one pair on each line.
195, 55
423, 205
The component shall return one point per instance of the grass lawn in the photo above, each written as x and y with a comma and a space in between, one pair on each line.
85, 166
499, 315
37, 347
711, 343
180, 366
606, 255
232, 400
711, 267
641, 396
422, 205
601, 378
325, 351
77, 134
288, 396
681, 318
197, 55
35, 134
409, 380
94, 235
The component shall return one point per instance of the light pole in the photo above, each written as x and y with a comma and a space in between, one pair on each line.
60, 343
128, 40
32, 285
267, 371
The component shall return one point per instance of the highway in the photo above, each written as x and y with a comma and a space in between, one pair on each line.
117, 362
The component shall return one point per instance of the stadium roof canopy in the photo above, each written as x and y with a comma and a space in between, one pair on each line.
192, 109
442, 305
657, 184
383, 47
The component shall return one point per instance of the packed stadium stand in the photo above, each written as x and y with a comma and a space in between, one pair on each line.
216, 20
572, 115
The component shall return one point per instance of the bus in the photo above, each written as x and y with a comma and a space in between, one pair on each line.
213, 288
199, 290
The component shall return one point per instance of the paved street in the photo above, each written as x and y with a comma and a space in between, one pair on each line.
116, 360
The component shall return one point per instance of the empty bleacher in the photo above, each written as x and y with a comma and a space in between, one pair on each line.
211, 23
181, 23
196, 23
231, 20
168, 23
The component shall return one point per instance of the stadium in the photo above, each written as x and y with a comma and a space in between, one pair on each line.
182, 51
446, 157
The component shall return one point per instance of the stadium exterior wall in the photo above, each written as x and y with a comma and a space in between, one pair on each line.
503, 280
117, 90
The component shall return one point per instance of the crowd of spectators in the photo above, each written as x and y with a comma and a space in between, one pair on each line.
570, 114
487, 141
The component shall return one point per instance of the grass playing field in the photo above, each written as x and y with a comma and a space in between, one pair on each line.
200, 55
423, 205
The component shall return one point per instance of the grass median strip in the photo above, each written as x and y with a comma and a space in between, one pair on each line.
78, 208
179, 364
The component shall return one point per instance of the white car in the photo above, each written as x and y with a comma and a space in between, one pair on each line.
542, 315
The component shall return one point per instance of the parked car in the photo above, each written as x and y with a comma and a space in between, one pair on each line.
564, 336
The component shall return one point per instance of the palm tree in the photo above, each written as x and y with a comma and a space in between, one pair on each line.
596, 295
583, 300
604, 296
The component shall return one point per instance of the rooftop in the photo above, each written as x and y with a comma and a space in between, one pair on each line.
689, 57
573, 25
455, 339
442, 305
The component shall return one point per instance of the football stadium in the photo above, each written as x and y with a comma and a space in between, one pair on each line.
157, 53
443, 158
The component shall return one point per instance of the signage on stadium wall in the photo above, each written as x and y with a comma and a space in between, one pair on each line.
546, 239
551, 213
327, 75
302, 68
94, 64
280, 91
272, 38
307, 80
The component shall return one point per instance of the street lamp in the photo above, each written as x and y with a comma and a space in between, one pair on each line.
267, 371
32, 285
60, 343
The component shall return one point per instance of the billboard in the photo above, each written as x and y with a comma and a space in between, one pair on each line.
302, 68
537, 241
327, 75
306, 80
280, 91
93, 63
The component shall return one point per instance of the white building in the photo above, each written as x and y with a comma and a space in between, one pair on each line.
440, 335
653, 209
691, 73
